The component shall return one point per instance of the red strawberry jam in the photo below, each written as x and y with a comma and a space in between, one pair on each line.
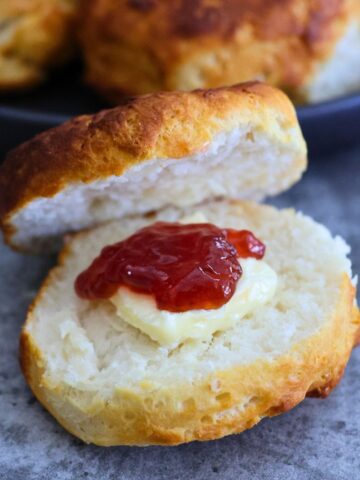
185, 267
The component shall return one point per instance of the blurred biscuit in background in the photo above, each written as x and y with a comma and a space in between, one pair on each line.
35, 35
309, 48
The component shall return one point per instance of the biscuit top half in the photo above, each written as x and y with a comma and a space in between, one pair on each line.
171, 149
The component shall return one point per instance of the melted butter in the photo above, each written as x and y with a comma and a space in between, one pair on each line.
255, 288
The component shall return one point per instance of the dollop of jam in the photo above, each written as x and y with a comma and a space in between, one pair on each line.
185, 267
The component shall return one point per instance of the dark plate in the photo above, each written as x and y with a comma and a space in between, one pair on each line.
328, 127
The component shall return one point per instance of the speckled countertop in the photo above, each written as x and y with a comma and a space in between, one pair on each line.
320, 439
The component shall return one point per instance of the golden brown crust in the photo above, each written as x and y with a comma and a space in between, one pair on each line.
163, 125
209, 408
36, 35
207, 43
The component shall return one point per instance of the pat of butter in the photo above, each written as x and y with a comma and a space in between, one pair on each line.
255, 288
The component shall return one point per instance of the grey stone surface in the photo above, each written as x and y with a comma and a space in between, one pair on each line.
320, 439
